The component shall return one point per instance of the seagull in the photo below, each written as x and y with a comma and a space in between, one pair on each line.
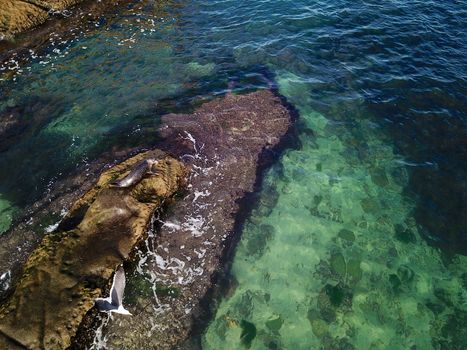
114, 303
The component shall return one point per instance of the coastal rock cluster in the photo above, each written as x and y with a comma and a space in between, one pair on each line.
171, 274
226, 142
73, 264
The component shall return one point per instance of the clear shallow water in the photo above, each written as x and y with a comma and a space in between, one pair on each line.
358, 236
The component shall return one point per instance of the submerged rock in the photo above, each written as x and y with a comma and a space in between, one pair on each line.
70, 267
248, 333
338, 265
379, 177
275, 323
346, 235
354, 271
404, 235
333, 299
256, 243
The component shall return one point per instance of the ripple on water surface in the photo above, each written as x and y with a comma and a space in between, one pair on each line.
332, 257
85, 94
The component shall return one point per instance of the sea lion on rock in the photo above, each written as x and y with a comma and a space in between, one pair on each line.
136, 174
70, 267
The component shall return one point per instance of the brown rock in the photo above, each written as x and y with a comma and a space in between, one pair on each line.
17, 16
69, 268
227, 141
235, 137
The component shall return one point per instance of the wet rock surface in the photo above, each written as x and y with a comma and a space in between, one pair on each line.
25, 26
226, 142
71, 265
44, 215
17, 16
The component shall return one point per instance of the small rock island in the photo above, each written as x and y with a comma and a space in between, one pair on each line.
215, 156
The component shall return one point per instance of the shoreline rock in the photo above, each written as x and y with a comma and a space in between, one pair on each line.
17, 16
39, 29
228, 142
236, 138
71, 265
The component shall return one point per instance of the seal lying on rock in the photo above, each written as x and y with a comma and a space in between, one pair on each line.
136, 174
67, 271
229, 141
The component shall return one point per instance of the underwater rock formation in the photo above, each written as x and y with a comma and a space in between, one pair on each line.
227, 142
26, 117
70, 267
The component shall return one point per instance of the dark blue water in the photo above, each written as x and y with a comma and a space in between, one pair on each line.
380, 87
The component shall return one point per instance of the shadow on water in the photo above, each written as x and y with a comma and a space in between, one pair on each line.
428, 128
25, 151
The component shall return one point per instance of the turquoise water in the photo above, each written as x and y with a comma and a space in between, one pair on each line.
358, 240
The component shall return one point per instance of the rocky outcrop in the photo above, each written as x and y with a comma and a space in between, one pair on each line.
227, 142
31, 26
19, 15
70, 267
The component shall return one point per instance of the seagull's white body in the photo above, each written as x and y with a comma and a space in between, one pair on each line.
114, 303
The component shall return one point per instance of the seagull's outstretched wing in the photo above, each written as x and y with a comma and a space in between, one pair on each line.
118, 286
